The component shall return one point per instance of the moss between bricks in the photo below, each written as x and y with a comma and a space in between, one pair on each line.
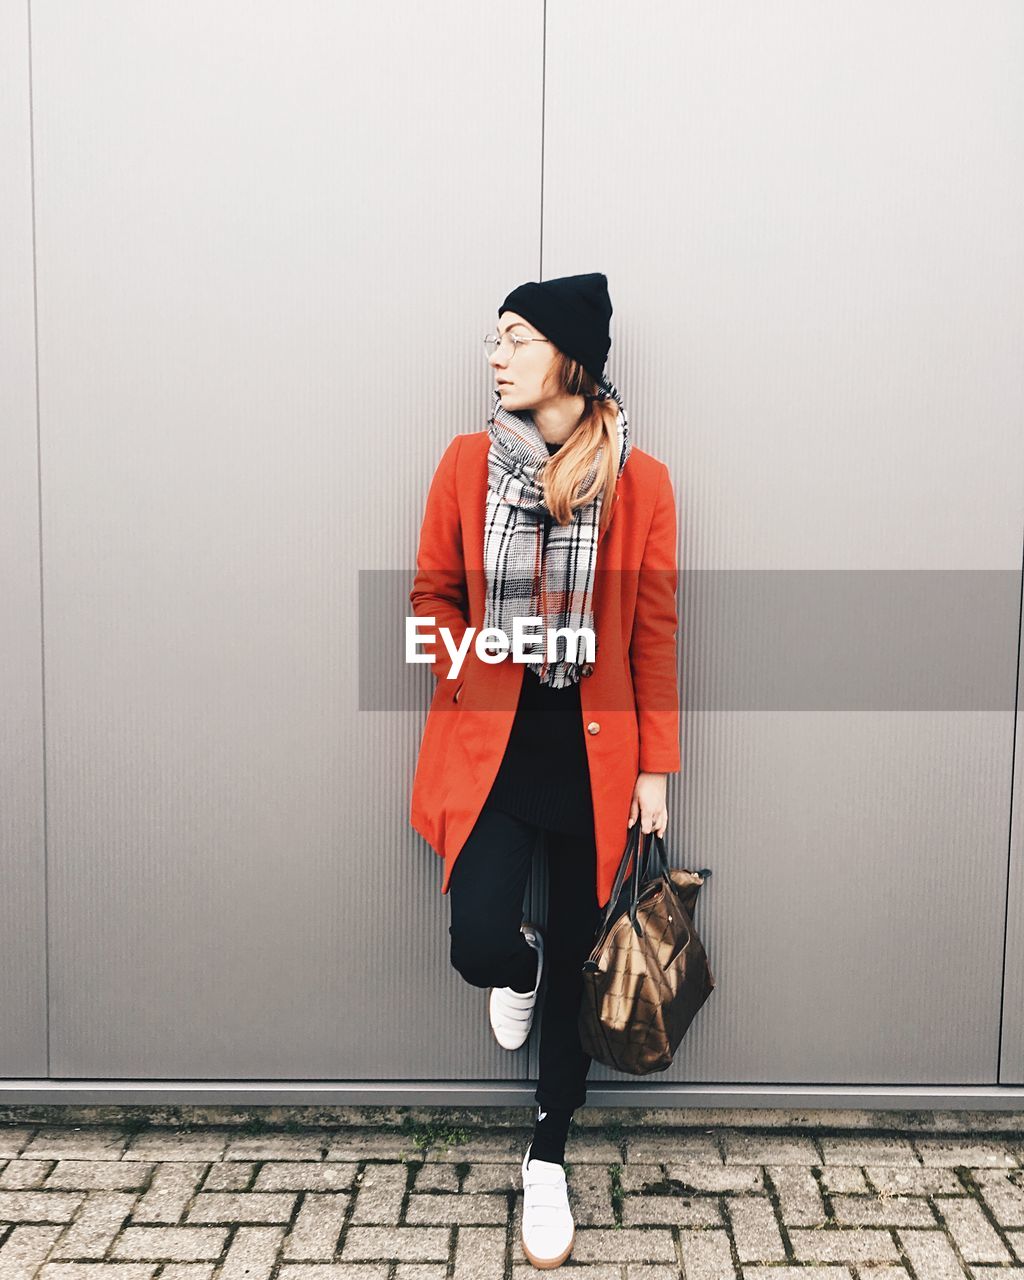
617, 1193
424, 1135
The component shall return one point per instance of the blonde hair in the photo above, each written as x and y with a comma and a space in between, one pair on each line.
567, 469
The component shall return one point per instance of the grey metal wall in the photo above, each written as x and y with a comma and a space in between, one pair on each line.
250, 254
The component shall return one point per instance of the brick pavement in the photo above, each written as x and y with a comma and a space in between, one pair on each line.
105, 1202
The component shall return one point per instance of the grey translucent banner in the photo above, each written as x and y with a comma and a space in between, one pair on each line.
770, 640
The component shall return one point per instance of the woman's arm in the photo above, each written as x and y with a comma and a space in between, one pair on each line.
652, 648
439, 588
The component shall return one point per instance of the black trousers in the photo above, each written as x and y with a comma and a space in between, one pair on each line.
486, 890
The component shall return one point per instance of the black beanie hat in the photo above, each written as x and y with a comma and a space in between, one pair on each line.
573, 311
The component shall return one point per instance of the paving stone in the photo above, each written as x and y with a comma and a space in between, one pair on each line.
882, 1211
490, 1177
60, 1142
680, 1148
716, 1177
403, 1244
304, 1175
501, 1145
90, 1271
39, 1206
756, 1148
755, 1229
671, 1211
236, 1176
96, 1175
836, 1179
863, 1150
816, 1273
96, 1224
843, 1244
278, 1146
449, 1210
1003, 1194
588, 1148
379, 1194
479, 1252
603, 1244
252, 1253
14, 1138
590, 1195
637, 1177
24, 1249
201, 1145
369, 1144
335, 1271
241, 1206
799, 1194
974, 1155
971, 1231
317, 1227
706, 1255
176, 1244
914, 1181
523, 1269
931, 1255
172, 1187
721, 1203
437, 1177
23, 1175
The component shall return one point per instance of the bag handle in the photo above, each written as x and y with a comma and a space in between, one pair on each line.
640, 876
659, 845
652, 842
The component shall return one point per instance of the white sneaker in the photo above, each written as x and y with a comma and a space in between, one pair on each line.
548, 1226
511, 1012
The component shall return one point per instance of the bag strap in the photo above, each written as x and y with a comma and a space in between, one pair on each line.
632, 840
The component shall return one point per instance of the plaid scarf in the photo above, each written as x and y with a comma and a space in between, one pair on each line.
525, 577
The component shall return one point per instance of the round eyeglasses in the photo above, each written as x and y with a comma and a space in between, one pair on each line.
493, 342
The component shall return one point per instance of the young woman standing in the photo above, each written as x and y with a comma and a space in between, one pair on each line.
549, 513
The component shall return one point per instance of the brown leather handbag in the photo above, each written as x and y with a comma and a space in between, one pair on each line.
648, 974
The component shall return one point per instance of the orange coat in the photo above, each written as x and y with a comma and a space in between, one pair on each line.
630, 707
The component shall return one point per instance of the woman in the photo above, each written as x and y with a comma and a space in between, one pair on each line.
572, 746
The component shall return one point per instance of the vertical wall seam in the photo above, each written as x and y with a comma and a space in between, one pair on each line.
1009, 831
538, 866
39, 517
543, 123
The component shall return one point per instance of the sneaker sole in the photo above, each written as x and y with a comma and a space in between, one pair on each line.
545, 1264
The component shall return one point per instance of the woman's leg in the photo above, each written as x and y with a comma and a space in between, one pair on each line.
573, 917
486, 891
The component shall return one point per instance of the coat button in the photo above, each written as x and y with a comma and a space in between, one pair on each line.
587, 669
593, 727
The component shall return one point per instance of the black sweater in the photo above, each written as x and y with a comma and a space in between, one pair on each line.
544, 776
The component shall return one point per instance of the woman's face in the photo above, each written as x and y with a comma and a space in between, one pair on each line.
521, 368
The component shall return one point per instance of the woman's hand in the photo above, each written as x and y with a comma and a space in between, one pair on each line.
649, 802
